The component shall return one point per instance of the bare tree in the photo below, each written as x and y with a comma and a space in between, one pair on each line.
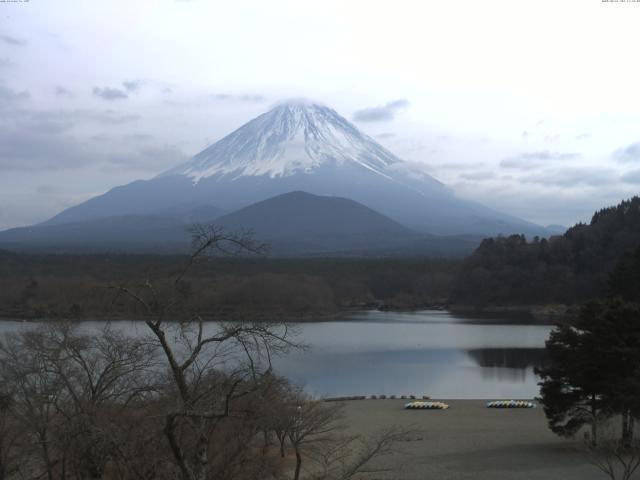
36, 390
345, 457
102, 373
315, 432
617, 458
10, 436
70, 389
313, 421
210, 367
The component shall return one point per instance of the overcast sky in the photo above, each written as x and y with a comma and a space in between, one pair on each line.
531, 107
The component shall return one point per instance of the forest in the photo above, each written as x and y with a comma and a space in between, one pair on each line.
78, 286
566, 269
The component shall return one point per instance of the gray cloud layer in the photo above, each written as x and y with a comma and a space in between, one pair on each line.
630, 153
132, 85
37, 140
109, 93
239, 98
9, 96
632, 177
531, 160
573, 176
12, 41
384, 113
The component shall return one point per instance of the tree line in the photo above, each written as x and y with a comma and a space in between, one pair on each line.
566, 269
76, 286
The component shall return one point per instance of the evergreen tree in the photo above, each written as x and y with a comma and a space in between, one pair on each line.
625, 278
594, 369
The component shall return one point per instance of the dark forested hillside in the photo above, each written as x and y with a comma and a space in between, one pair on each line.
563, 269
76, 286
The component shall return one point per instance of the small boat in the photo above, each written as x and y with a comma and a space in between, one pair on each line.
511, 404
426, 406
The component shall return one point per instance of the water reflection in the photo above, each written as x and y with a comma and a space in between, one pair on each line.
513, 358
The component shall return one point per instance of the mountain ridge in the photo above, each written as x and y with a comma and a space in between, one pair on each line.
292, 224
306, 147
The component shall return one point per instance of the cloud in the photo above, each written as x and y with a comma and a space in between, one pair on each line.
46, 189
531, 160
630, 153
37, 151
12, 41
149, 158
10, 97
632, 177
137, 137
238, 98
458, 166
56, 121
108, 93
385, 135
132, 86
62, 92
383, 113
39, 140
574, 176
108, 117
198, 100
478, 176
583, 136
51, 149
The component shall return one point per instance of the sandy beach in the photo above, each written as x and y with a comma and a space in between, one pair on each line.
470, 441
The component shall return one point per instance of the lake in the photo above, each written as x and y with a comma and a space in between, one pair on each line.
432, 353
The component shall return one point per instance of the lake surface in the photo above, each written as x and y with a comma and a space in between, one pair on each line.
422, 353
431, 353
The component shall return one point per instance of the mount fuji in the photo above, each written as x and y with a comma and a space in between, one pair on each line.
302, 146
295, 147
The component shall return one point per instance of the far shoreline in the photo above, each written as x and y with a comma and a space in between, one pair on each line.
507, 315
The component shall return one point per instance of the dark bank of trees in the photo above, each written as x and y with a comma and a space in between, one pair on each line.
74, 286
568, 269
182, 399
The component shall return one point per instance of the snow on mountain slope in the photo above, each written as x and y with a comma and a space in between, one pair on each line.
297, 137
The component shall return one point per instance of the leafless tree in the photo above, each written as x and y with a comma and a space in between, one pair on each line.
315, 432
345, 457
35, 390
103, 373
10, 435
210, 367
617, 458
70, 389
312, 422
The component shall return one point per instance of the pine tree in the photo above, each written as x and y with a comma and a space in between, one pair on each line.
594, 369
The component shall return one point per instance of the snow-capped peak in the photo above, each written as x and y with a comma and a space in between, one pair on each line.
293, 137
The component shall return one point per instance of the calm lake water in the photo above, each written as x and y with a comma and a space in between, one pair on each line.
431, 353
